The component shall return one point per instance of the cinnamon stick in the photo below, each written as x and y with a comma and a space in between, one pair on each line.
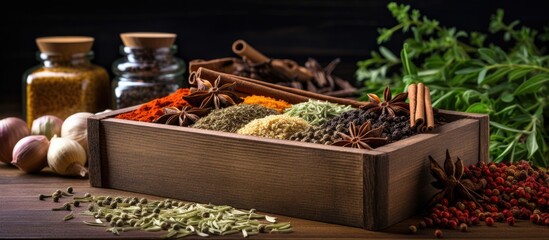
412, 92
287, 67
243, 49
250, 87
420, 107
212, 75
429, 110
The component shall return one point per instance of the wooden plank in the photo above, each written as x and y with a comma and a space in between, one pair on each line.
22, 215
408, 175
374, 190
95, 153
308, 180
484, 131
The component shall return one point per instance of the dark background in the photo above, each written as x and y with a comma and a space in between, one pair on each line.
292, 29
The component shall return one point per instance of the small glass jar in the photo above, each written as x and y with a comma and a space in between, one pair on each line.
148, 69
65, 82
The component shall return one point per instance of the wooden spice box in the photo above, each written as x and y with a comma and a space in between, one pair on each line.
360, 188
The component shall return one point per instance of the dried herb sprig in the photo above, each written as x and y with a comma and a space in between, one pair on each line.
178, 219
316, 112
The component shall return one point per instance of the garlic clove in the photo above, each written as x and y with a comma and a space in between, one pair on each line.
30, 153
11, 131
47, 125
75, 127
77, 169
66, 157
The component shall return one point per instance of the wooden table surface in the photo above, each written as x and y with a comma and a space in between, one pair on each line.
22, 215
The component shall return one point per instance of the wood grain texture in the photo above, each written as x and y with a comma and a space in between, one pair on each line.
306, 180
408, 166
94, 150
484, 131
23, 216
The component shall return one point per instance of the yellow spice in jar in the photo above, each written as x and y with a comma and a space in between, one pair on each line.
62, 91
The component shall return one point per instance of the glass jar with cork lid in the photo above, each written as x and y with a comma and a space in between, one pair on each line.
65, 81
147, 70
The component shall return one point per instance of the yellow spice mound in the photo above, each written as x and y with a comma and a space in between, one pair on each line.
275, 126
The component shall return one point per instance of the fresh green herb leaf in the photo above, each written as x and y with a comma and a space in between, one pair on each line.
466, 72
533, 84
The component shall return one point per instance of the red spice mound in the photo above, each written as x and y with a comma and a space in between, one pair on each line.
154, 109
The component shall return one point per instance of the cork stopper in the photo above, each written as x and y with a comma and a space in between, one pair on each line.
66, 45
148, 39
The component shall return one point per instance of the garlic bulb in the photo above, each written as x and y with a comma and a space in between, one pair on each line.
11, 131
47, 125
30, 153
67, 157
75, 127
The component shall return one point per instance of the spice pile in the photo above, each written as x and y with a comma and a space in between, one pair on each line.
391, 115
178, 219
490, 193
150, 111
232, 118
216, 106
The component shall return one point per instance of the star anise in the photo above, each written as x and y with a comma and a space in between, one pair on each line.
207, 95
449, 180
390, 105
184, 117
362, 138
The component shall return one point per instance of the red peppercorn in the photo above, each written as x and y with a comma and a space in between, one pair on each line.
428, 221
452, 224
463, 227
475, 220
493, 168
541, 201
412, 229
438, 233
535, 218
546, 222
446, 215
489, 221
500, 180
494, 199
472, 205
511, 221
444, 222
460, 206
520, 192
507, 213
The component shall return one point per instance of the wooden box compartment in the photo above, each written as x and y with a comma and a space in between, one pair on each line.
360, 188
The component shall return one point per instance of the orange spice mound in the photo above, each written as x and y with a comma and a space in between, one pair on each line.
269, 102
150, 111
